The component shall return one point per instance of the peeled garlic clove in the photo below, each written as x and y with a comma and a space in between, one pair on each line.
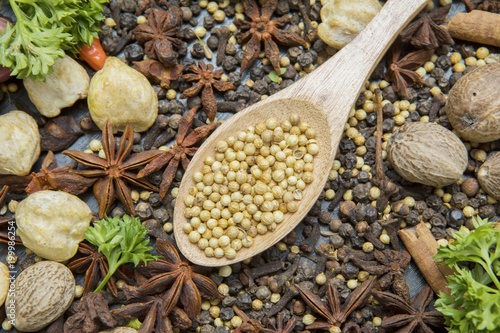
19, 143
124, 96
68, 83
52, 223
342, 20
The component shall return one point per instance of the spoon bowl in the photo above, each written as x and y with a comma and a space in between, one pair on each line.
323, 99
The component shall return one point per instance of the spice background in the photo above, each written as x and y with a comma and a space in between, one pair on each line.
19, 100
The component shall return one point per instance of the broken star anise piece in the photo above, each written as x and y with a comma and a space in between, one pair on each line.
6, 236
50, 177
157, 72
389, 266
401, 70
179, 280
59, 133
250, 325
183, 147
95, 266
150, 309
160, 34
426, 31
486, 5
263, 30
335, 314
206, 79
89, 315
114, 172
410, 316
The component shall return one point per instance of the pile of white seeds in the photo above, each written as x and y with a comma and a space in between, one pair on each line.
253, 181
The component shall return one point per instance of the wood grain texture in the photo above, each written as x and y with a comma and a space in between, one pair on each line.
323, 99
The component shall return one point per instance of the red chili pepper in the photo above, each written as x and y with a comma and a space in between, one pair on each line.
94, 55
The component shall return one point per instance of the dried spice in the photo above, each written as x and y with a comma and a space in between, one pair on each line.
401, 70
95, 266
281, 326
50, 177
249, 325
334, 313
60, 133
223, 34
426, 31
158, 73
177, 277
389, 266
179, 152
113, 173
150, 309
4, 235
160, 34
486, 5
410, 316
263, 30
3, 195
310, 33
89, 315
206, 79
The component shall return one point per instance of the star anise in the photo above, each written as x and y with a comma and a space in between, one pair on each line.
183, 147
160, 34
486, 5
113, 173
89, 315
150, 309
334, 313
179, 280
249, 325
206, 79
426, 31
401, 70
159, 73
410, 316
50, 177
263, 30
281, 326
95, 266
389, 266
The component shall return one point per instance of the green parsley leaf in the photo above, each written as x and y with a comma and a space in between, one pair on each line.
474, 303
121, 241
44, 30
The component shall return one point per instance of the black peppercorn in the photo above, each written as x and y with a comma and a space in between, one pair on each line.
346, 230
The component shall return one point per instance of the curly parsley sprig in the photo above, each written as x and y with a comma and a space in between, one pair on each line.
121, 241
474, 303
44, 30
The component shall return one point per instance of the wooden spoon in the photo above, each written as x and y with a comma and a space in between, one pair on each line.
323, 99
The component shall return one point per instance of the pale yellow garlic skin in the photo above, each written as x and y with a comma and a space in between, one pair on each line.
121, 329
342, 20
19, 143
52, 223
68, 83
4, 282
123, 95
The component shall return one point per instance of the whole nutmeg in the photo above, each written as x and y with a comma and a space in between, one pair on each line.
43, 292
427, 153
473, 105
489, 176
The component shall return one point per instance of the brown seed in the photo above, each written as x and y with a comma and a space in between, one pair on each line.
470, 186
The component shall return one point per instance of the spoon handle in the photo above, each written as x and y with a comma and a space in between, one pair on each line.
335, 85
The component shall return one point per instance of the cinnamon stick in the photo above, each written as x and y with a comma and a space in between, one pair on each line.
422, 248
477, 26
